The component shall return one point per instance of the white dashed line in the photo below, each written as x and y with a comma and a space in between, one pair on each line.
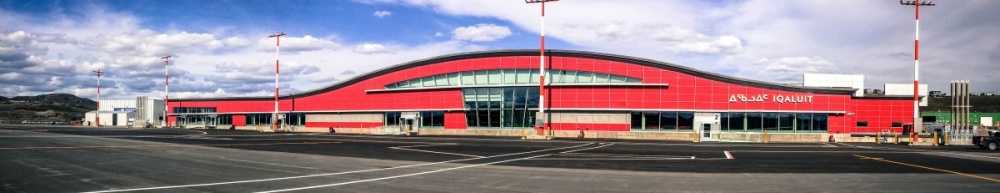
408, 148
328, 174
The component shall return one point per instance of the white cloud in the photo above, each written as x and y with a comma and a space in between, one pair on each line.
324, 79
480, 33
792, 68
370, 49
438, 34
235, 42
295, 45
151, 43
382, 14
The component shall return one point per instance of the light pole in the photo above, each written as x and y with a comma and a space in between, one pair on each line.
541, 69
277, 51
916, 62
166, 90
98, 114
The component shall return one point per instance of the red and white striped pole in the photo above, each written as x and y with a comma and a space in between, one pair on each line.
97, 115
916, 61
277, 52
166, 90
541, 66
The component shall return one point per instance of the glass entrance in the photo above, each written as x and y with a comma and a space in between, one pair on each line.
500, 108
708, 132
408, 124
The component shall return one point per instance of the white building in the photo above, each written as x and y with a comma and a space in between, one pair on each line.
907, 90
856, 81
144, 109
110, 118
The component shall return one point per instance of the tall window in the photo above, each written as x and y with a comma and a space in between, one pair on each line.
392, 118
258, 119
511, 77
431, 119
662, 121
507, 108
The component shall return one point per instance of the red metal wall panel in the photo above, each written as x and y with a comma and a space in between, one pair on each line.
239, 120
686, 92
454, 120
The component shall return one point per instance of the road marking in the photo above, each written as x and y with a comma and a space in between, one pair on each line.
728, 155
616, 159
408, 148
926, 151
330, 174
798, 151
400, 176
266, 163
621, 155
584, 149
160, 145
928, 168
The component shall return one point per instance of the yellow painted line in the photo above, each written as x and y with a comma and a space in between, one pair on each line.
168, 145
928, 168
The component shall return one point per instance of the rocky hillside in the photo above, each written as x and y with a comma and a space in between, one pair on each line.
979, 104
59, 107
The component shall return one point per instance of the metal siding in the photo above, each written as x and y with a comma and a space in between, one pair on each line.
686, 92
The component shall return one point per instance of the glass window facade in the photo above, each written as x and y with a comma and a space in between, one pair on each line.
499, 108
432, 119
296, 119
733, 122
773, 122
392, 118
200, 116
510, 77
662, 121
258, 119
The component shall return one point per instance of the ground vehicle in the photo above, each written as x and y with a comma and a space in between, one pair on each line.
991, 141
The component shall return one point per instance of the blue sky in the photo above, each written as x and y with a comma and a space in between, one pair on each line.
220, 47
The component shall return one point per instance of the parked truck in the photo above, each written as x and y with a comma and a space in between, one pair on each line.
991, 140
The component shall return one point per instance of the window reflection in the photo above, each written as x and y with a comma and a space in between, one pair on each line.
510, 77
503, 108
733, 122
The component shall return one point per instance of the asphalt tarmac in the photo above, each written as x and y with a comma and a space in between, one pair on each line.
37, 158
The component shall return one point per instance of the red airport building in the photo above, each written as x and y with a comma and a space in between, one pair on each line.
606, 95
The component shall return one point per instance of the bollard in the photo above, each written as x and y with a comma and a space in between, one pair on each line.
552, 133
548, 133
765, 139
694, 137
895, 137
523, 135
935, 139
946, 139
408, 129
877, 136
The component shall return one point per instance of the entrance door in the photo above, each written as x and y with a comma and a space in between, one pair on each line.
407, 124
114, 119
708, 132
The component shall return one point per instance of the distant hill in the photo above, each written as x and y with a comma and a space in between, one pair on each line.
59, 107
983, 104
62, 99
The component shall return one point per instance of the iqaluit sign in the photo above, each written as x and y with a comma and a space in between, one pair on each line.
741, 98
